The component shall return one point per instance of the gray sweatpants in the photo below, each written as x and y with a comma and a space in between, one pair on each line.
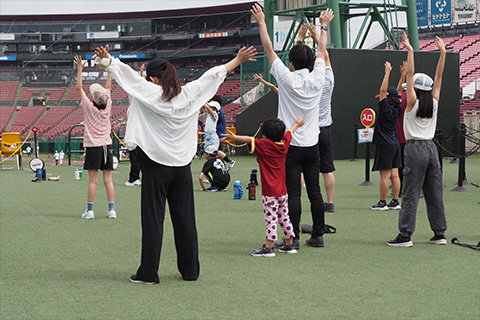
422, 171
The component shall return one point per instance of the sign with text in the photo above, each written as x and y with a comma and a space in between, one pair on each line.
103, 35
441, 11
367, 117
422, 12
8, 58
365, 135
122, 56
213, 35
465, 11
280, 32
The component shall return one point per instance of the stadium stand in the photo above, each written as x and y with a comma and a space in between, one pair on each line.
9, 90
26, 117
6, 113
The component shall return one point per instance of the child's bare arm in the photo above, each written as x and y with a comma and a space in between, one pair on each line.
79, 63
260, 79
386, 77
109, 82
298, 123
243, 139
207, 108
200, 178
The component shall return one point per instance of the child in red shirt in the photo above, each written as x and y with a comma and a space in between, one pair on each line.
271, 152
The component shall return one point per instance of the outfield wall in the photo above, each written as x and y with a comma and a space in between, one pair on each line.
358, 76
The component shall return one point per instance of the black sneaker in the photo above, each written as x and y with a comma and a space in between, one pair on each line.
394, 205
287, 249
262, 252
296, 243
315, 242
438, 239
400, 241
134, 279
329, 207
381, 205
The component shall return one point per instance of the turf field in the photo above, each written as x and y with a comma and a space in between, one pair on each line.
54, 265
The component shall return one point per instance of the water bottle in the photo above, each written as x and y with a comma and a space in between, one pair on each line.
251, 191
39, 174
80, 172
253, 177
77, 175
237, 190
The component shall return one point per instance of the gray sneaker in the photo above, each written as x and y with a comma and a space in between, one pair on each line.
262, 252
287, 249
329, 207
315, 242
296, 243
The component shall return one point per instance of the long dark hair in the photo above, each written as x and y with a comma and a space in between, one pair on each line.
394, 101
166, 73
425, 104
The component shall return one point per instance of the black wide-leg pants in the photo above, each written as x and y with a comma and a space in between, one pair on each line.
174, 184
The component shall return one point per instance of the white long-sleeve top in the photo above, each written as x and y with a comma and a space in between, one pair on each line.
165, 130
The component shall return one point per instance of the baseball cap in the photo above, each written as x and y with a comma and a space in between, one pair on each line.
214, 104
211, 150
422, 81
100, 94
391, 91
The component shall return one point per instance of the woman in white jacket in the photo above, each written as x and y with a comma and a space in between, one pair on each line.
162, 125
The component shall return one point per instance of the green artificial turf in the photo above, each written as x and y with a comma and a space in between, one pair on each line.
54, 265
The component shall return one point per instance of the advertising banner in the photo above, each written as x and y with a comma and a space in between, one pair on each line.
8, 58
465, 11
441, 11
422, 12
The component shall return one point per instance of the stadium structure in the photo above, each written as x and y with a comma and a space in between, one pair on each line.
37, 74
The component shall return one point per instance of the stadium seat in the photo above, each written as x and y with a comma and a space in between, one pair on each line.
11, 146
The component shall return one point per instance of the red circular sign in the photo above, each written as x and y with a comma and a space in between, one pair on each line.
34, 129
367, 117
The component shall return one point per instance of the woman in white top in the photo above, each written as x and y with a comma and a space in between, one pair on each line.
163, 125
422, 169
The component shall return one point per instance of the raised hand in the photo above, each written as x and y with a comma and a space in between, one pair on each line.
403, 68
406, 42
300, 122
258, 77
388, 67
326, 17
257, 13
102, 52
79, 62
440, 44
302, 33
246, 54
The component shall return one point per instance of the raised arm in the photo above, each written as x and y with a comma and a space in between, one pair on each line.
79, 63
298, 123
260, 79
243, 55
322, 39
109, 83
243, 139
386, 77
302, 33
437, 83
259, 16
411, 95
207, 108
403, 71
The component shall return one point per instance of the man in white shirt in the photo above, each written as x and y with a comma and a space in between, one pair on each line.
300, 87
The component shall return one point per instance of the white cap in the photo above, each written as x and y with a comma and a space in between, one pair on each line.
214, 104
100, 94
211, 150
404, 86
422, 81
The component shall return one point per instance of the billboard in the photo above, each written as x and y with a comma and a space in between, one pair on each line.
441, 12
8, 58
465, 10
422, 12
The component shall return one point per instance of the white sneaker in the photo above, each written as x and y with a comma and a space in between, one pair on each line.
112, 214
88, 215
230, 165
134, 183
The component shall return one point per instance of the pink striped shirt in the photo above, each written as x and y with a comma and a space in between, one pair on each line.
97, 123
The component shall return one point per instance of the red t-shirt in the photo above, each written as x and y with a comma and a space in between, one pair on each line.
271, 159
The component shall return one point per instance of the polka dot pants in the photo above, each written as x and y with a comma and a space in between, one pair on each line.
276, 209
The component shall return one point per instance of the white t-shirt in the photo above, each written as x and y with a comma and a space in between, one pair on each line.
165, 130
299, 96
325, 107
211, 121
416, 128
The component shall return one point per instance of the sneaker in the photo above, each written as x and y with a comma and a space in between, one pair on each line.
88, 215
206, 181
394, 205
381, 205
296, 243
400, 241
315, 242
112, 214
134, 183
287, 249
230, 165
262, 252
329, 207
212, 189
438, 239
222, 190
133, 278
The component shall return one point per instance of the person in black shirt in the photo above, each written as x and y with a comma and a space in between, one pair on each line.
214, 171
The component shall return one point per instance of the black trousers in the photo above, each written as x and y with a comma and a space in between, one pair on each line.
174, 184
306, 160
135, 166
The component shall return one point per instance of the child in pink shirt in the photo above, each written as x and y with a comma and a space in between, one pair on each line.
97, 140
